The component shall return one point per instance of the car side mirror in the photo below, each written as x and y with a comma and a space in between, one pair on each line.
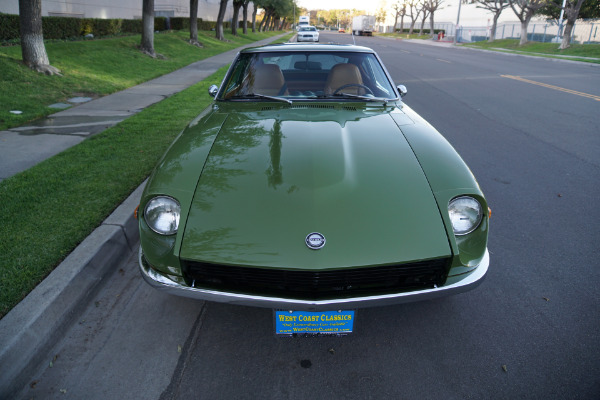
402, 90
213, 90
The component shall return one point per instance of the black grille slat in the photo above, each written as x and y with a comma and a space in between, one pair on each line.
318, 285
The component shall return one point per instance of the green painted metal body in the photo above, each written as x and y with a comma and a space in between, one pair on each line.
254, 179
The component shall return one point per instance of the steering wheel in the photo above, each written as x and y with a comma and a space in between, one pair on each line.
353, 85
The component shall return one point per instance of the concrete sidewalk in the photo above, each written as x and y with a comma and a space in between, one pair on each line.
431, 42
30, 330
428, 42
25, 146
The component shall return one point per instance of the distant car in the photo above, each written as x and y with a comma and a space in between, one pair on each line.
309, 185
308, 34
341, 30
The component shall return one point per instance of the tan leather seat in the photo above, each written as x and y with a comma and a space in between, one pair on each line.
344, 74
269, 80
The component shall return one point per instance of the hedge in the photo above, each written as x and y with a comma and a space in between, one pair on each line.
68, 28
179, 23
9, 27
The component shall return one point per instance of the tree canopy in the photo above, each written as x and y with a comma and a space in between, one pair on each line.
589, 9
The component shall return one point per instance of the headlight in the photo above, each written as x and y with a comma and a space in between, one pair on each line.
465, 214
162, 215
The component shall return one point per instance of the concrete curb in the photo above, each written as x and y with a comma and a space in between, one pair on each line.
28, 332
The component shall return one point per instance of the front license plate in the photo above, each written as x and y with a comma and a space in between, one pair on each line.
292, 323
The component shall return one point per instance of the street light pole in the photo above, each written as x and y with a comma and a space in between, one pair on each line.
457, 21
560, 20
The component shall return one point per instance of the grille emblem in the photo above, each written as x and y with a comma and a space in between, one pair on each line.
315, 241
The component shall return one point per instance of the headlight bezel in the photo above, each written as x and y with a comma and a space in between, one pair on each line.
170, 206
460, 205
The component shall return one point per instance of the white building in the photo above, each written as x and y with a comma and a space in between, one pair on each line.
124, 9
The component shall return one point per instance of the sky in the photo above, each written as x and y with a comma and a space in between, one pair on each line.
337, 4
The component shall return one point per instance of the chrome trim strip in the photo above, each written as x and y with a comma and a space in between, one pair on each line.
163, 283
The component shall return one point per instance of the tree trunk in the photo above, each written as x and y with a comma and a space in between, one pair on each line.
395, 22
494, 26
524, 25
566, 40
219, 28
254, 17
402, 24
147, 45
572, 11
412, 27
262, 21
431, 23
423, 23
236, 17
245, 16
413, 21
33, 49
267, 21
194, 23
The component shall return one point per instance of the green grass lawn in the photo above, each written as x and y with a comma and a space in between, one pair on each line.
542, 49
97, 67
47, 210
50, 208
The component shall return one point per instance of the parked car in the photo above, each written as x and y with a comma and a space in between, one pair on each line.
308, 186
308, 34
341, 30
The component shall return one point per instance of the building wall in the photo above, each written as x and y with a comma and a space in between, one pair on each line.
126, 9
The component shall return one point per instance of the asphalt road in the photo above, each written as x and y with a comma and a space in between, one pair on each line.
531, 330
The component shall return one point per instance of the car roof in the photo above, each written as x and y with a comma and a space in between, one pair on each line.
301, 47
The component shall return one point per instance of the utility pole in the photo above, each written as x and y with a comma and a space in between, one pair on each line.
457, 21
560, 20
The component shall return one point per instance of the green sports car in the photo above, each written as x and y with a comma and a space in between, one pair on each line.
308, 185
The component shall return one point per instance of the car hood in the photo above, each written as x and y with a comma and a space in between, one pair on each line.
273, 178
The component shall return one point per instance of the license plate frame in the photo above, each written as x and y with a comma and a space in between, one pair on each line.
292, 323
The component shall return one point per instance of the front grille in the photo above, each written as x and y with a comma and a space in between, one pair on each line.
318, 285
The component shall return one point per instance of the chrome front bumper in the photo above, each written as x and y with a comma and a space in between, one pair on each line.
307, 39
161, 282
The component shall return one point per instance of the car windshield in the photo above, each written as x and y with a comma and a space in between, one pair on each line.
308, 29
307, 75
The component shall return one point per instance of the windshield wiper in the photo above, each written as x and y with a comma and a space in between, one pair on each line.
261, 96
367, 98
